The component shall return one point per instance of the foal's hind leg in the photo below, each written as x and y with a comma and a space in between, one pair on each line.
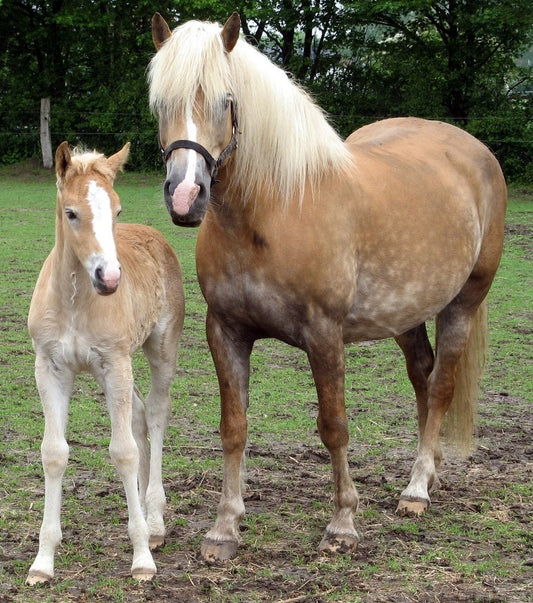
453, 329
140, 433
117, 382
161, 350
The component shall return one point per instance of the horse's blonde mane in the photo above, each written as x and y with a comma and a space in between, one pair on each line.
285, 143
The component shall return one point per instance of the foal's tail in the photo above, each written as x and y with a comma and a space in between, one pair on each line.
461, 416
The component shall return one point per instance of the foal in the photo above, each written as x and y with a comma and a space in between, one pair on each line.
81, 320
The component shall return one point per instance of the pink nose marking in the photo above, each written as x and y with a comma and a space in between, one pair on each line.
111, 278
184, 196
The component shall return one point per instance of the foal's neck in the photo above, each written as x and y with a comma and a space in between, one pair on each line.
69, 277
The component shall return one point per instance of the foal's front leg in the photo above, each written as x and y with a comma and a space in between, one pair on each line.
55, 389
118, 388
231, 354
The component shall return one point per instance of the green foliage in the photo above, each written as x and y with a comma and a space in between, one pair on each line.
362, 60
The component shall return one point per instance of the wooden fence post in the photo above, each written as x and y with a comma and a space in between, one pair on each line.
46, 142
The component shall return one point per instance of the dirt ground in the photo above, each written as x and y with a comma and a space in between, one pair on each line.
394, 562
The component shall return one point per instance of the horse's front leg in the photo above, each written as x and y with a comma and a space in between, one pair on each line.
231, 354
117, 382
55, 389
326, 357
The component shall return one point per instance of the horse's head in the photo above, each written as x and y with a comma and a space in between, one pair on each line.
197, 125
87, 208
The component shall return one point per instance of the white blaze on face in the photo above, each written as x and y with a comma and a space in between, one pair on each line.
187, 190
192, 134
107, 261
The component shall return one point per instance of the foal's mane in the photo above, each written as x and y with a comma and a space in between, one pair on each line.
84, 162
284, 142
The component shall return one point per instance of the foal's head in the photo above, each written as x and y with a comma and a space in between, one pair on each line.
87, 208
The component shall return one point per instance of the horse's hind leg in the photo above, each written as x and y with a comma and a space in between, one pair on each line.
453, 330
55, 389
161, 351
420, 360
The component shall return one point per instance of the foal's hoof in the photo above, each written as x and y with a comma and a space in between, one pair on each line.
156, 541
412, 507
338, 543
218, 550
37, 578
142, 574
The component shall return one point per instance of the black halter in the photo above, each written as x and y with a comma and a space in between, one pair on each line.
212, 163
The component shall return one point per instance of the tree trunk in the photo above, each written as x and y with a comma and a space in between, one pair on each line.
46, 142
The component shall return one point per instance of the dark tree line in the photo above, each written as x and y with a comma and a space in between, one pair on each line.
458, 60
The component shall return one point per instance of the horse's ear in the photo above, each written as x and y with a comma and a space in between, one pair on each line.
63, 159
230, 32
116, 162
160, 30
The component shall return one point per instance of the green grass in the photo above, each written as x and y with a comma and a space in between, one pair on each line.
476, 535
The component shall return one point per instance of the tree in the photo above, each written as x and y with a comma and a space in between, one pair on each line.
467, 49
363, 60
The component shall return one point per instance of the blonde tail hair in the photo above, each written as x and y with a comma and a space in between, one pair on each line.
461, 417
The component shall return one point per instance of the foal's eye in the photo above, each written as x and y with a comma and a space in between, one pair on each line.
119, 211
71, 214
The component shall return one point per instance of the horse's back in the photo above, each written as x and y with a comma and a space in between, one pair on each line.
421, 146
442, 166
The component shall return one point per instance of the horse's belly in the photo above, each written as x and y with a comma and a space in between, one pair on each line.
381, 310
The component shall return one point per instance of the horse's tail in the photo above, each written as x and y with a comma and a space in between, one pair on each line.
462, 414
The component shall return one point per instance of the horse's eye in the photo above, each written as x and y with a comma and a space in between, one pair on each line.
71, 214
119, 211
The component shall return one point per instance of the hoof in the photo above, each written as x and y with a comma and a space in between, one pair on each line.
37, 578
218, 550
142, 574
412, 507
156, 541
338, 543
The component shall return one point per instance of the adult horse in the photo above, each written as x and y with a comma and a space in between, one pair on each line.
104, 291
320, 242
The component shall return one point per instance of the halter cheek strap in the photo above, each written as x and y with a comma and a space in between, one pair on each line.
212, 163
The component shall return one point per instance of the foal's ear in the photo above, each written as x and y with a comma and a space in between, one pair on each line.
160, 30
230, 32
116, 162
62, 159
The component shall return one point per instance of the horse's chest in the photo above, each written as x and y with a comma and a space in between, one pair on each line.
70, 347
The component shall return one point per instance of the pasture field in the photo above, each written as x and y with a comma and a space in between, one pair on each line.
475, 544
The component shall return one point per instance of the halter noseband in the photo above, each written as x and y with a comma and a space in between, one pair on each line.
212, 163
